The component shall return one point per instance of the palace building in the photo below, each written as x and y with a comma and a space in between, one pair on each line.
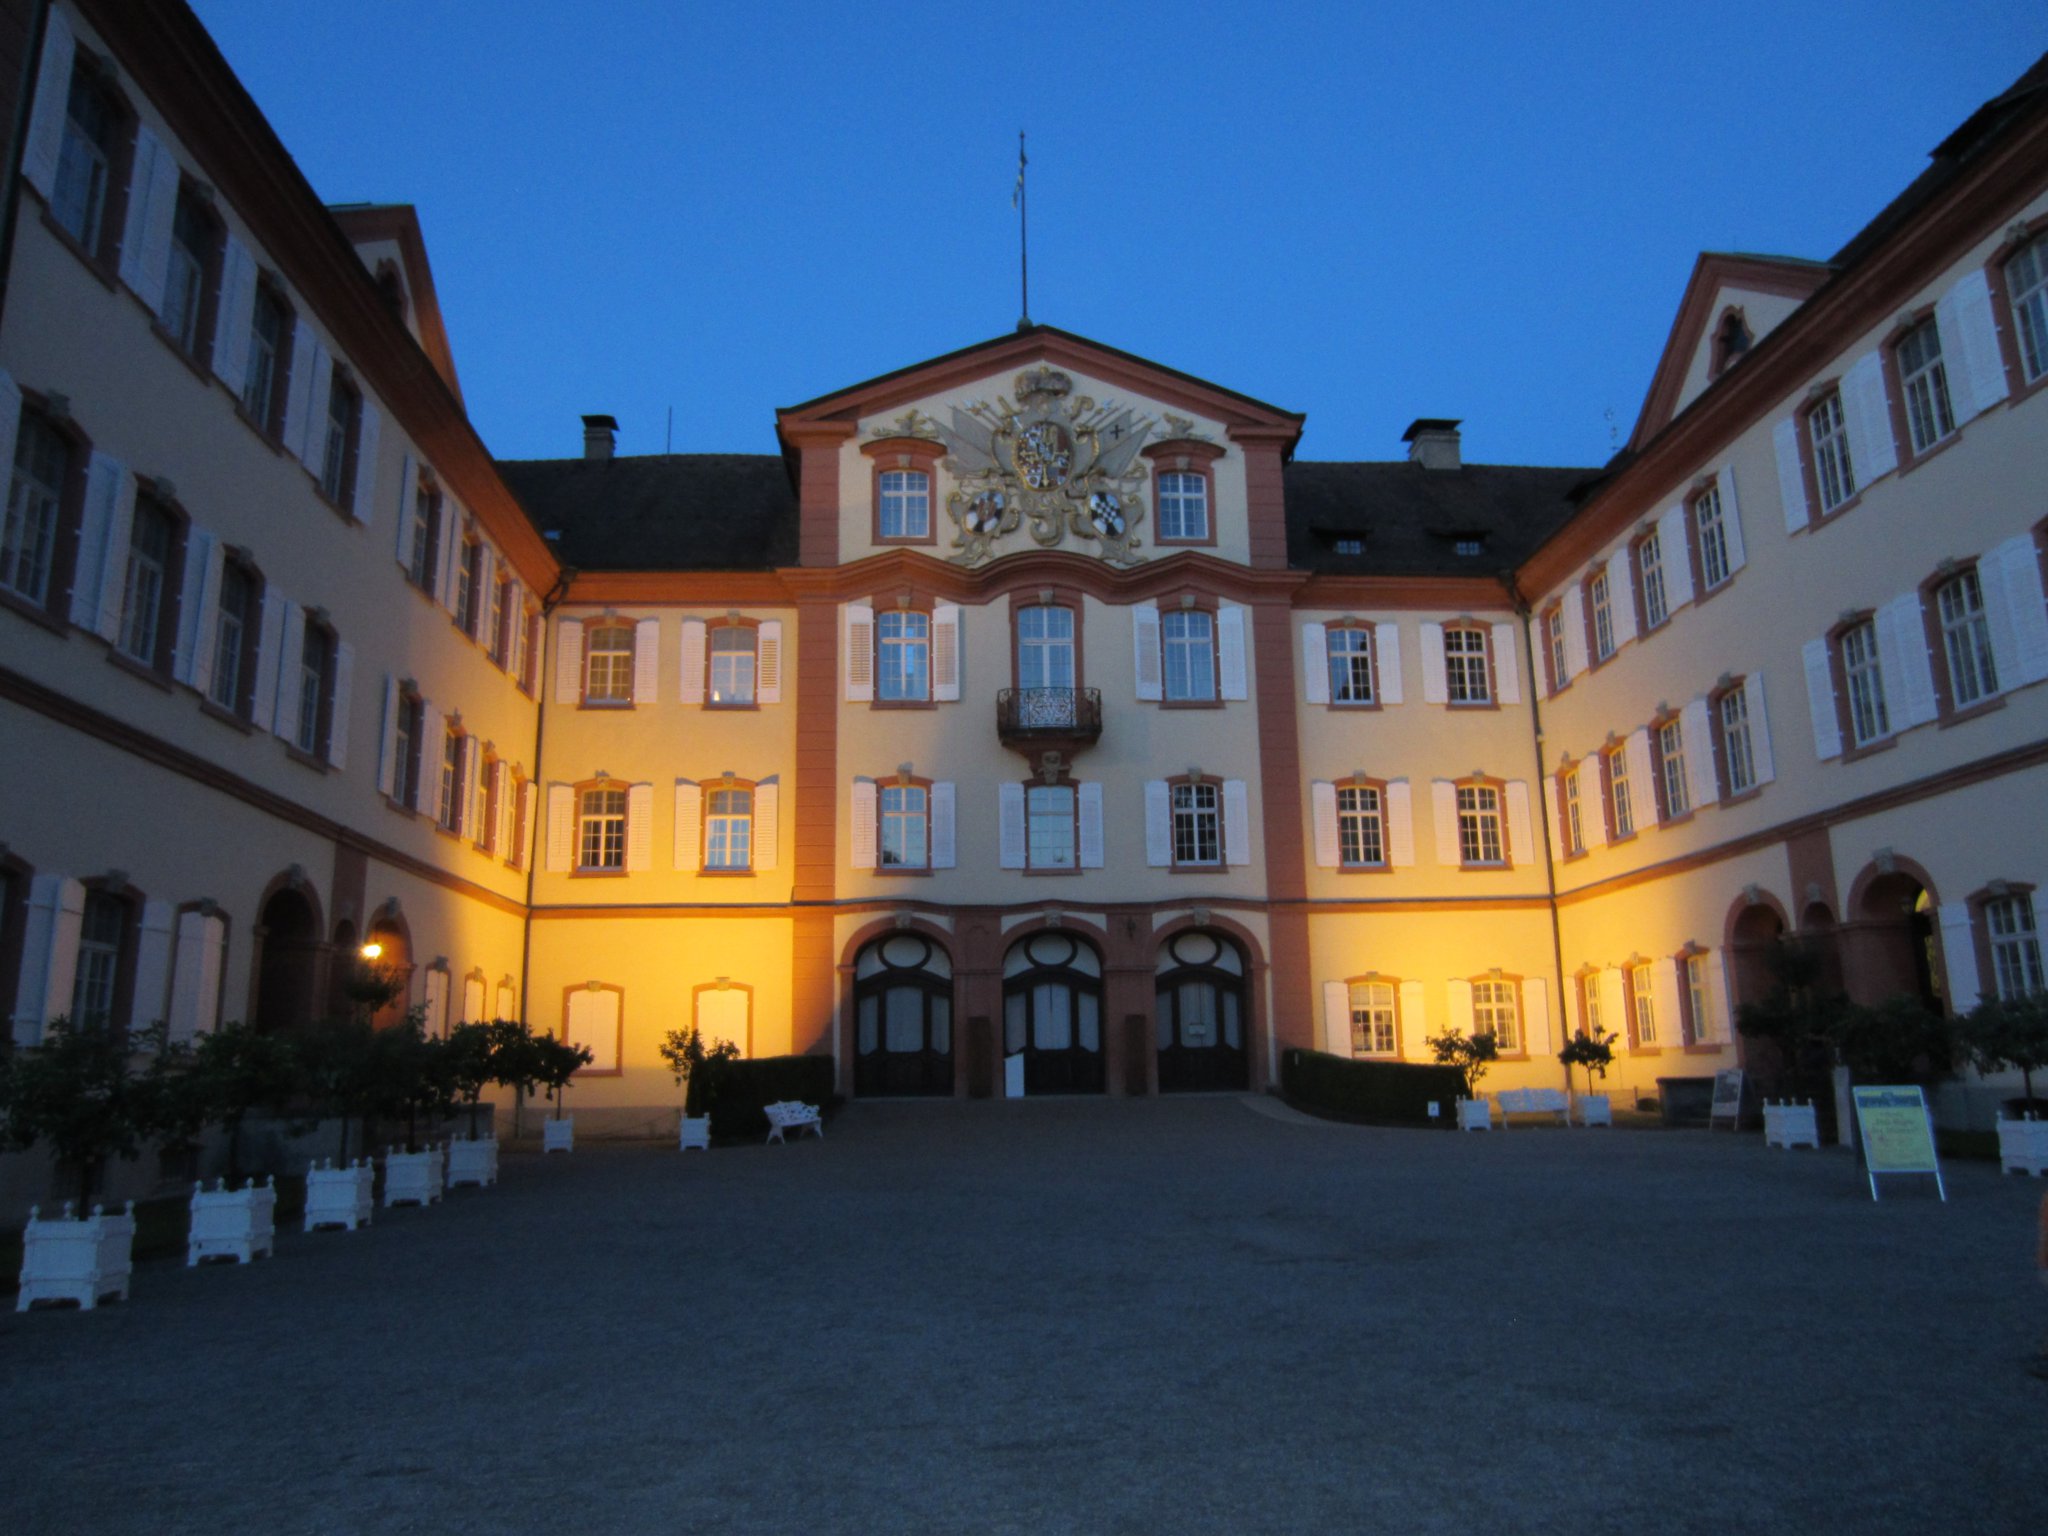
1031, 720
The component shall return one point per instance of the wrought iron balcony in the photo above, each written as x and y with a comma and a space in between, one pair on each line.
1031, 718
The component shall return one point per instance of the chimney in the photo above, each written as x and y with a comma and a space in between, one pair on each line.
1432, 442
600, 433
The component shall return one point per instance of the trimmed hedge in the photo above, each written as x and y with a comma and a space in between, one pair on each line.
740, 1090
1384, 1092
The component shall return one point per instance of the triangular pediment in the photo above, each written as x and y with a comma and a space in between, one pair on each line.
390, 233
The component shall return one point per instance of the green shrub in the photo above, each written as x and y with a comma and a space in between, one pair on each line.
738, 1090
1384, 1092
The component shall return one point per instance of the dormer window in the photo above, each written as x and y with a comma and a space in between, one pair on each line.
1348, 544
1732, 338
1468, 546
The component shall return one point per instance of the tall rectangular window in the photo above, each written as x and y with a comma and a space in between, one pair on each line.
316, 671
150, 540
1197, 824
608, 653
2015, 946
405, 787
102, 932
1618, 790
1350, 652
35, 500
1738, 753
1829, 433
903, 643
1553, 638
1601, 602
448, 794
426, 540
906, 504
906, 820
1671, 764
732, 666
1189, 638
1045, 648
1574, 823
266, 350
1650, 562
1049, 826
1183, 507
1696, 999
338, 469
1479, 836
1465, 666
1868, 718
729, 829
1644, 998
1966, 640
1372, 1019
85, 161
234, 626
192, 242
1361, 827
1712, 534
1924, 378
1496, 1011
467, 561
2026, 287
601, 830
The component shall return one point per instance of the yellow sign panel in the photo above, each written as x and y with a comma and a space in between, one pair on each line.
1898, 1136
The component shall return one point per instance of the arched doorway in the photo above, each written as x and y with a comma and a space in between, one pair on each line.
1052, 1012
903, 1017
1895, 938
1817, 930
288, 976
1200, 1014
391, 940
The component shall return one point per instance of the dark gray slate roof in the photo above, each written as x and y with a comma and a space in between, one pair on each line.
668, 512
1413, 519
737, 512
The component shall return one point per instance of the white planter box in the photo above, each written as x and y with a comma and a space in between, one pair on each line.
1595, 1109
414, 1178
238, 1224
2023, 1146
1475, 1115
558, 1135
1790, 1125
339, 1197
473, 1162
84, 1259
696, 1132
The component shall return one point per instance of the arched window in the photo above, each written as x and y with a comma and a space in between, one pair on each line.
903, 1017
1200, 1014
1052, 1013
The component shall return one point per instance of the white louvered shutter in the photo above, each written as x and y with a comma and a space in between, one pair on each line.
1642, 780
1614, 1003
768, 662
1089, 799
1443, 799
1400, 825
1715, 968
1435, 689
1315, 663
433, 745
66, 899
1231, 670
1414, 1020
569, 661
1791, 478
943, 854
10, 419
206, 640
1386, 642
312, 444
1867, 417
1664, 979
1522, 847
767, 824
860, 653
946, 657
1759, 728
1902, 639
1158, 825
639, 827
1145, 657
289, 672
1674, 547
474, 995
1969, 344
1553, 811
1731, 518
450, 552
198, 552
1337, 1018
646, 661
1536, 1017
1322, 799
1010, 832
861, 823
298, 400
561, 850
408, 492
1458, 1006
1820, 699
522, 827
1959, 957
195, 983
496, 837
1695, 726
120, 533
44, 144
692, 664
269, 648
1507, 663
146, 234
1592, 802
2009, 576
1573, 604
689, 835
153, 963
1237, 823
337, 725
235, 315
363, 506
1621, 597
96, 588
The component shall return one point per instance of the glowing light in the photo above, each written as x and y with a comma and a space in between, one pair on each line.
372, 950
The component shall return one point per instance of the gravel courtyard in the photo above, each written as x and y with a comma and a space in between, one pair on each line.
1153, 1316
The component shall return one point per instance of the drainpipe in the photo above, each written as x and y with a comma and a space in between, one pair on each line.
1542, 808
31, 77
548, 603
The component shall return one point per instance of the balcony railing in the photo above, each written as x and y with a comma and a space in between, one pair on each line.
1026, 715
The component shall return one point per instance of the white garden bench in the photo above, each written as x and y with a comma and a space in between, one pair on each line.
793, 1115
1532, 1101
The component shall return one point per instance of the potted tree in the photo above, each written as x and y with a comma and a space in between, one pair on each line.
696, 1067
554, 1062
242, 1069
411, 1075
1470, 1054
476, 1055
334, 1072
1595, 1053
1799, 1019
2006, 1034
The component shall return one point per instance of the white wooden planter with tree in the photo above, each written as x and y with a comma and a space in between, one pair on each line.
1790, 1125
340, 1197
238, 1224
558, 1135
473, 1162
415, 1178
1475, 1115
86, 1259
2023, 1146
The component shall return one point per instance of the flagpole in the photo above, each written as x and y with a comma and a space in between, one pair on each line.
1023, 238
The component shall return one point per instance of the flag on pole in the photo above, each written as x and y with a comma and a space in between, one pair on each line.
1017, 192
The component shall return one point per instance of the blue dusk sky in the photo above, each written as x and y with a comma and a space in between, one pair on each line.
1367, 212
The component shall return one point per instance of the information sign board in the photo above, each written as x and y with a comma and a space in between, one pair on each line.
1727, 1098
1898, 1136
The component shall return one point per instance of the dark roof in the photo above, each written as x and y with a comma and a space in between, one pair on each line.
1412, 519
668, 512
